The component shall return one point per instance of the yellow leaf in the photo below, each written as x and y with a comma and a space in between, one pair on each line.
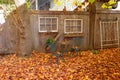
57, 70
55, 75
55, 1
74, 2
103, 6
71, 76
72, 70
68, 0
41, 76
116, 73
111, 2
52, 70
109, 7
59, 3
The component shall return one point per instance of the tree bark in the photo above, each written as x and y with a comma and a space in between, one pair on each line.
25, 32
92, 10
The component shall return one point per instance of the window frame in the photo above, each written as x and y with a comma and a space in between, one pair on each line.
65, 25
39, 24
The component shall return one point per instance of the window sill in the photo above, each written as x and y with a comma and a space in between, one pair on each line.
74, 35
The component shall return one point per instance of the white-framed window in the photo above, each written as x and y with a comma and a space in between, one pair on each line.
73, 26
48, 24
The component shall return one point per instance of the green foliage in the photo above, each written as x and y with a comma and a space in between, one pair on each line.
6, 1
28, 3
12, 2
49, 41
91, 1
94, 51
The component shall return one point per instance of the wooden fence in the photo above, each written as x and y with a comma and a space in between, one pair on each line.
105, 15
64, 18
59, 25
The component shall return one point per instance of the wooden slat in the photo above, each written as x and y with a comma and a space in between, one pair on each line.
41, 12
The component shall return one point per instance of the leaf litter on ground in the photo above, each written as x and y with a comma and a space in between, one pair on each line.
87, 66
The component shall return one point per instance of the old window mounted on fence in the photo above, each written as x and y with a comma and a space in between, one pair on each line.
73, 26
48, 24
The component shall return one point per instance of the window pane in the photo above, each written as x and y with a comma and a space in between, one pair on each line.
73, 25
48, 24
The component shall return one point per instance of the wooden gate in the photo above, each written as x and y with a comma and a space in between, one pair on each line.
109, 33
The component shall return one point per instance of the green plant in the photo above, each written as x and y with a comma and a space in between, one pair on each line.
28, 3
74, 2
94, 51
49, 41
91, 1
6, 2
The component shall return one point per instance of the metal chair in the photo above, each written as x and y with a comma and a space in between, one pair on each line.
53, 49
62, 51
69, 47
76, 42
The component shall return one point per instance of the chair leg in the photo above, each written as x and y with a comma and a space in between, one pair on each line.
63, 58
77, 53
72, 50
51, 59
56, 56
62, 55
71, 53
57, 59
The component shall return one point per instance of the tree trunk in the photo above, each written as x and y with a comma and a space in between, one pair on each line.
92, 10
25, 32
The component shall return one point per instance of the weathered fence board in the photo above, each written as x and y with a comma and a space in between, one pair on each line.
10, 35
40, 37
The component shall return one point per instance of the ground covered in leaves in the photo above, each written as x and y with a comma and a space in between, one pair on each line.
104, 65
